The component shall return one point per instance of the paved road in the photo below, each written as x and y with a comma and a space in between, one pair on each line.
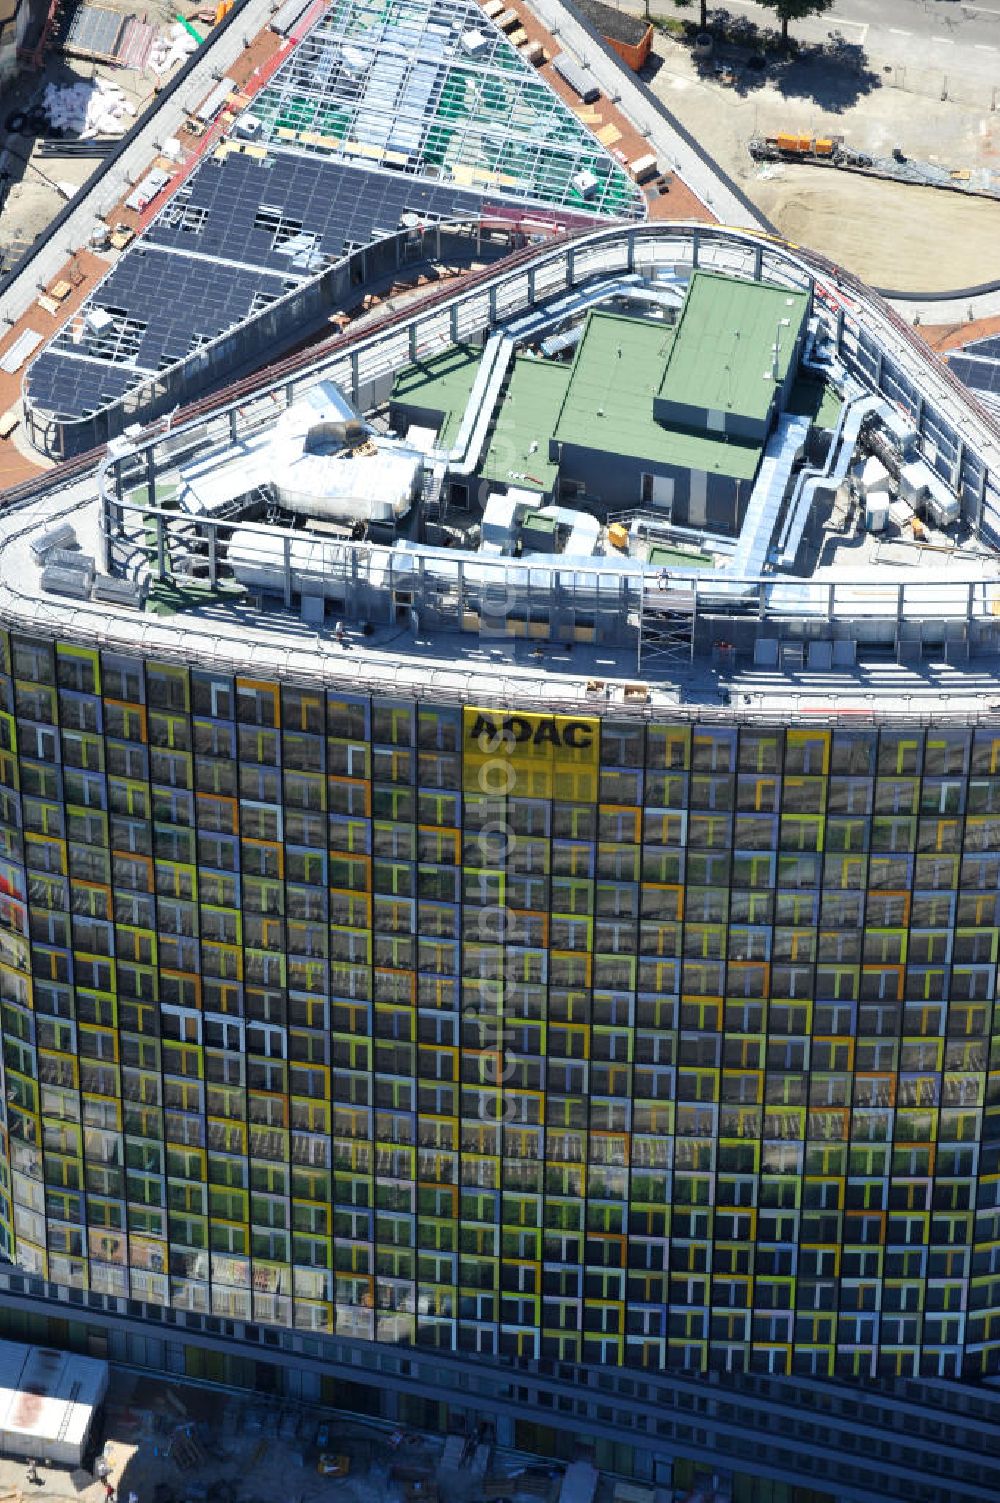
946, 34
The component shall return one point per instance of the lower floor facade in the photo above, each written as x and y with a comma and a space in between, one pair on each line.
757, 1439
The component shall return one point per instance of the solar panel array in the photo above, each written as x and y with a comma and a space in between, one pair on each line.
247, 227
187, 286
978, 365
981, 375
988, 348
340, 206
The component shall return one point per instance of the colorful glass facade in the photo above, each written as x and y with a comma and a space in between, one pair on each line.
661, 1044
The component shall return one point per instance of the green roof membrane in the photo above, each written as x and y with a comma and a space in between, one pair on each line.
519, 449
442, 383
680, 558
719, 356
723, 354
608, 405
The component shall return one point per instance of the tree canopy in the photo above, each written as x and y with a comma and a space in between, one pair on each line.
795, 10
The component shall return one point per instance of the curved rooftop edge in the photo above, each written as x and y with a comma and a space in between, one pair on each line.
625, 663
308, 305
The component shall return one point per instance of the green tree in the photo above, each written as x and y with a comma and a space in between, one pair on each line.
795, 10
683, 5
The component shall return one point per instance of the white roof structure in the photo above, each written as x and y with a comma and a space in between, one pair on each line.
48, 1400
316, 463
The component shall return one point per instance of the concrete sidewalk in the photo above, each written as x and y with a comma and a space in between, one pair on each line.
954, 311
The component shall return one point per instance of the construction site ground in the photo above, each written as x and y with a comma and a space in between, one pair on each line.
169, 1442
893, 235
945, 337
34, 199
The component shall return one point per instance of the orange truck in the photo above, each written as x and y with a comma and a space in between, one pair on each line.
807, 146
785, 145
827, 151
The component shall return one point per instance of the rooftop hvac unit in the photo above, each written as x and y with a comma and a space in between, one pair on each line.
147, 190
60, 536
118, 591
943, 514
578, 79
98, 320
924, 489
942, 506
585, 183
876, 511
875, 478
62, 558
474, 43
58, 580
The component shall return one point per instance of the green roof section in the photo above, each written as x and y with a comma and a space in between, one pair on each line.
722, 357
680, 558
442, 383
617, 371
719, 356
519, 449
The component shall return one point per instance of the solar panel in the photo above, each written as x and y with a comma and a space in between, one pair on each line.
393, 85
233, 266
335, 203
978, 374
989, 347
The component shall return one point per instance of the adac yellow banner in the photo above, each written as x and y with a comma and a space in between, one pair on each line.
523, 754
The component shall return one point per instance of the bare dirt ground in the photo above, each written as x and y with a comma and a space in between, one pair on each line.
165, 1441
893, 235
926, 240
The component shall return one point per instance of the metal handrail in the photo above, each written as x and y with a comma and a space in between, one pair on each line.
573, 256
808, 262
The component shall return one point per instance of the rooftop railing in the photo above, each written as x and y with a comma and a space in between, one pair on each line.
958, 438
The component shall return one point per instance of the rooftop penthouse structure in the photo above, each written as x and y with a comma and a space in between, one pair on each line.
673, 416
477, 922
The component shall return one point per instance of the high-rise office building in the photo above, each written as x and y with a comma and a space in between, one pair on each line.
452, 904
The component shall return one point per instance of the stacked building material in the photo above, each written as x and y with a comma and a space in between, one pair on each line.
88, 108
